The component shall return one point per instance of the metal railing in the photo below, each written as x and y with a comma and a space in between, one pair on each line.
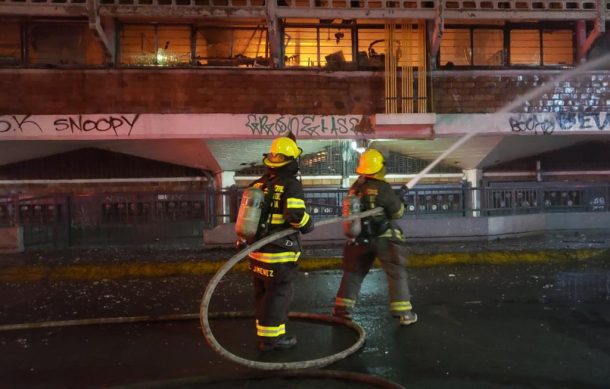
457, 201
73, 220
144, 217
327, 9
503, 200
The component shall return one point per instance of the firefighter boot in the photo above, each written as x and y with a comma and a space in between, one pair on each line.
408, 318
280, 343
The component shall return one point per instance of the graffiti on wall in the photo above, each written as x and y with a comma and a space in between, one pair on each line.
305, 125
548, 123
118, 125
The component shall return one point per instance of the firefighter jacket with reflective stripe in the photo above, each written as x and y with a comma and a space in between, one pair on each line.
375, 193
286, 210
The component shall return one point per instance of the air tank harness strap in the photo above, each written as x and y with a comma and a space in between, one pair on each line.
367, 222
263, 226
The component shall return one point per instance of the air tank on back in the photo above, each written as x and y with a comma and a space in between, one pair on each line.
352, 205
249, 214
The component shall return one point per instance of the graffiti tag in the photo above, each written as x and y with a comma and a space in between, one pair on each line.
532, 123
583, 121
305, 125
73, 124
18, 123
546, 124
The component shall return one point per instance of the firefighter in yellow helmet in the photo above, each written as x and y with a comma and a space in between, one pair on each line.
379, 238
274, 266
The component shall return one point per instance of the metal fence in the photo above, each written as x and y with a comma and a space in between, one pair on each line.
507, 199
102, 219
461, 200
421, 202
132, 218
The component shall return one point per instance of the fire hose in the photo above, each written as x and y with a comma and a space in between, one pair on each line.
308, 364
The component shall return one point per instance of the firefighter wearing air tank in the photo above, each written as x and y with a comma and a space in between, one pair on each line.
374, 237
273, 203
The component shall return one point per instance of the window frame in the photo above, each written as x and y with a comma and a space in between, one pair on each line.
541, 27
353, 35
354, 27
119, 54
21, 61
232, 28
25, 26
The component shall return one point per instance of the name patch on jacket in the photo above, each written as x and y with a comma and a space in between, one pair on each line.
262, 271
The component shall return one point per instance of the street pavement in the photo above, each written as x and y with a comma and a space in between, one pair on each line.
520, 319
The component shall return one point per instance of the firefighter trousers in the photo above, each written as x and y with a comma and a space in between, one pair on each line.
273, 293
357, 261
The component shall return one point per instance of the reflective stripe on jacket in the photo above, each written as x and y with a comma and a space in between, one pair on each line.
287, 209
378, 193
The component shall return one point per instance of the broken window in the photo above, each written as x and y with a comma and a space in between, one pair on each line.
371, 47
318, 46
488, 47
467, 46
456, 48
68, 43
10, 43
232, 46
155, 45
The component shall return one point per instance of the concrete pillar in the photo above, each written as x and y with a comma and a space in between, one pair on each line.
226, 196
226, 179
346, 150
345, 182
473, 178
581, 38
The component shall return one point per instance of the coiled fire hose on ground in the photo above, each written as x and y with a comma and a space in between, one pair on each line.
313, 363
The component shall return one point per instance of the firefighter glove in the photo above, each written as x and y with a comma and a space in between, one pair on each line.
307, 228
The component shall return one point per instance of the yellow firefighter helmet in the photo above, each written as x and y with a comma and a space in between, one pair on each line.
283, 150
371, 162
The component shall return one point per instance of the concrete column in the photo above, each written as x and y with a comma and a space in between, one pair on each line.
581, 38
226, 179
346, 150
226, 196
345, 182
473, 178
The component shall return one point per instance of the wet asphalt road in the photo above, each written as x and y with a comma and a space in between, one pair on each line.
481, 326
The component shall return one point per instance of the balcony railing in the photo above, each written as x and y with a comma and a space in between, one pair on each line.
326, 9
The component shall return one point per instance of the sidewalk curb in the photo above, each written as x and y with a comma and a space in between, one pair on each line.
150, 269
